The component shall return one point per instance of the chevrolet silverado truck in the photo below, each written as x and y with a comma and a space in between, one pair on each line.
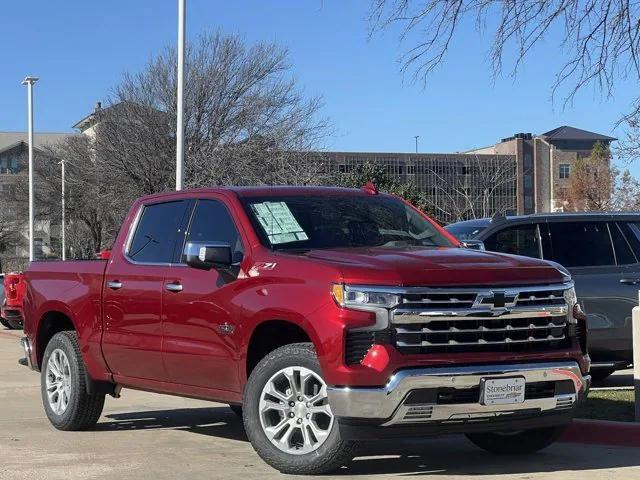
323, 316
11, 303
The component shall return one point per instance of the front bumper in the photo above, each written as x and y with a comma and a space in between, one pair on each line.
412, 396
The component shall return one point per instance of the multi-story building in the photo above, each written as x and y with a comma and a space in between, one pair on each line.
544, 163
521, 174
14, 213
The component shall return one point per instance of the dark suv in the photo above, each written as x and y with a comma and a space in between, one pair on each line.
602, 252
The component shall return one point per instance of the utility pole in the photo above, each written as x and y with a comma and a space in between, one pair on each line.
64, 223
416, 137
29, 81
180, 97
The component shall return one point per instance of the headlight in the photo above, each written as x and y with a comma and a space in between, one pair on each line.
360, 298
570, 297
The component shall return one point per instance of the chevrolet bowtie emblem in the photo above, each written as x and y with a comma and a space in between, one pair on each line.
499, 300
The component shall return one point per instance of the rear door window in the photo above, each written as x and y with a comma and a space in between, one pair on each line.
580, 244
157, 232
517, 240
621, 245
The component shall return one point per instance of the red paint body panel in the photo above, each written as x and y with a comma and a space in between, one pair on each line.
143, 336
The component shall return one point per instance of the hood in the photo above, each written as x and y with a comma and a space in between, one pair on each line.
437, 266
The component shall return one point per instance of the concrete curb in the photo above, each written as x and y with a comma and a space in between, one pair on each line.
601, 432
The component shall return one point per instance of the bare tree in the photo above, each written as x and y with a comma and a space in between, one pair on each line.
474, 188
9, 236
601, 38
246, 120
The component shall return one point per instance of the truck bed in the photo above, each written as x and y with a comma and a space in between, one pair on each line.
72, 288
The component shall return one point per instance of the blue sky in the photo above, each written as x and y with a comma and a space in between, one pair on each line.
80, 50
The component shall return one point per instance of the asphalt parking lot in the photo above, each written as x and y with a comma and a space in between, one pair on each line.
146, 436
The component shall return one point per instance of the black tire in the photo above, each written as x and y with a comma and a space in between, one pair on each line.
237, 409
5, 323
83, 410
329, 456
600, 374
517, 443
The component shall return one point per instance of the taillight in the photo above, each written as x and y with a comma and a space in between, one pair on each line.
11, 287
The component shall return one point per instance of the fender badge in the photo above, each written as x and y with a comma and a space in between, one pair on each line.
226, 328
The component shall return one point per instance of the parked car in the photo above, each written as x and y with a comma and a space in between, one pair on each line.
11, 308
323, 315
602, 252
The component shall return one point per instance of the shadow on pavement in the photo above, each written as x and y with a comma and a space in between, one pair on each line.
451, 455
455, 456
216, 422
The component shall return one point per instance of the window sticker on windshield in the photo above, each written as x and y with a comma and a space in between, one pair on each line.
278, 222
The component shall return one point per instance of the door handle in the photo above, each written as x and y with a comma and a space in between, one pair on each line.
173, 287
115, 285
630, 281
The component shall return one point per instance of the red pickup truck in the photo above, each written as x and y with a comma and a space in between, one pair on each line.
11, 307
323, 315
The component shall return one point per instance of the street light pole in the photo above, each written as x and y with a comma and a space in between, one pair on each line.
29, 81
64, 216
416, 137
180, 96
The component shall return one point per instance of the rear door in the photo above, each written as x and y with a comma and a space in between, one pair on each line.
132, 342
200, 316
595, 252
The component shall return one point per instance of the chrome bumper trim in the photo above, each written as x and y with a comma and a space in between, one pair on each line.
387, 403
28, 349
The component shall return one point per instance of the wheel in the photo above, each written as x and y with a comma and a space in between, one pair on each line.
5, 323
517, 443
287, 416
599, 374
63, 386
237, 409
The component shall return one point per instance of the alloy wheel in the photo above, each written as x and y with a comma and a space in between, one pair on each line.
294, 410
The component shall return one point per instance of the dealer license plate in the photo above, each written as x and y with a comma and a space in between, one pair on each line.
500, 391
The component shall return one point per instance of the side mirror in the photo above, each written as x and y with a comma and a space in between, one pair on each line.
205, 256
473, 244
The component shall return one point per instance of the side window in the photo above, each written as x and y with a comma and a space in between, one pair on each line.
631, 232
517, 240
157, 231
212, 222
580, 244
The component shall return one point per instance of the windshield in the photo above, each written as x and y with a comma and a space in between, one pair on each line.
465, 232
311, 222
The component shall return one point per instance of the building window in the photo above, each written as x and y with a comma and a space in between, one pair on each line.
565, 169
527, 160
528, 181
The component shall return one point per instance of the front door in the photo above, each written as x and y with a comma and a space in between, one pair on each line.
132, 341
200, 316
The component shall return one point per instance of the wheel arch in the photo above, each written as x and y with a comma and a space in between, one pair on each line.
273, 333
51, 322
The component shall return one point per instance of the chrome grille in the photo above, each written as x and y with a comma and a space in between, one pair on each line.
510, 319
